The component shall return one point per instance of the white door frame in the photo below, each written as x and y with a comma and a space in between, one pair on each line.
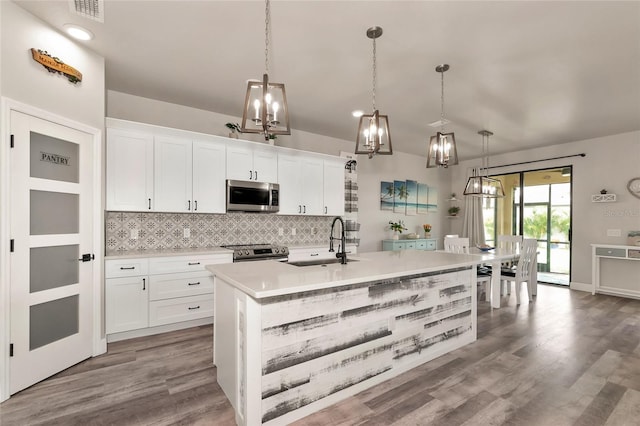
99, 339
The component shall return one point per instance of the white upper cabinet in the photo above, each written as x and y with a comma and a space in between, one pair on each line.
172, 175
333, 189
129, 170
310, 185
209, 171
189, 175
151, 168
311, 196
252, 163
300, 180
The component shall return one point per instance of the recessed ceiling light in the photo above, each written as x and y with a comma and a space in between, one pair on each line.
357, 113
78, 32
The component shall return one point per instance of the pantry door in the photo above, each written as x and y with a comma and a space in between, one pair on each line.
51, 267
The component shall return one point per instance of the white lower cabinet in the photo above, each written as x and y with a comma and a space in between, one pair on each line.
144, 293
127, 304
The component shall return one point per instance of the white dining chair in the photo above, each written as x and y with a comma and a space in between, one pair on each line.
456, 245
523, 272
508, 244
461, 245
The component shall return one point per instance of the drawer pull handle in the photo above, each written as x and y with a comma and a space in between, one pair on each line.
130, 267
196, 283
144, 284
193, 263
195, 307
314, 254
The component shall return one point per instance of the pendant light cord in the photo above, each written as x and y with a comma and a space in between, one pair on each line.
442, 101
267, 26
374, 74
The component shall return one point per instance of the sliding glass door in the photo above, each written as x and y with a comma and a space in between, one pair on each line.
537, 204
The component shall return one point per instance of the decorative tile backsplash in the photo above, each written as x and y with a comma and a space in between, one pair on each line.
167, 230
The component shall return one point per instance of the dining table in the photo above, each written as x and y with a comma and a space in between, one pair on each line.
495, 257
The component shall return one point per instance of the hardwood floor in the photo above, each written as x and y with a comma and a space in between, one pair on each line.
568, 358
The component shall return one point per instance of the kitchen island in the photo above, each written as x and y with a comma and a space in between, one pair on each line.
290, 340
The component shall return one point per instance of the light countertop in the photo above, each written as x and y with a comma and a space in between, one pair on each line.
272, 278
168, 252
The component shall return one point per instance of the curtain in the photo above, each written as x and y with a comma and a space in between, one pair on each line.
473, 224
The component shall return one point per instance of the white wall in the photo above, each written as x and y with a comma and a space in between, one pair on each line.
28, 82
370, 172
399, 166
610, 163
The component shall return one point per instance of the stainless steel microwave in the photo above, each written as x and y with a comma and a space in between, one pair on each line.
249, 196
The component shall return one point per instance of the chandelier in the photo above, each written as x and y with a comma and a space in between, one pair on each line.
265, 105
373, 130
479, 184
442, 146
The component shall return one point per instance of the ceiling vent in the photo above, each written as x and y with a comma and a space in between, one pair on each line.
91, 9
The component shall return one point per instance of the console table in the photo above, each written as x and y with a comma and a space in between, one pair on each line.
615, 270
410, 244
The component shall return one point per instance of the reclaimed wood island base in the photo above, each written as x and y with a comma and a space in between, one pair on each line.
289, 341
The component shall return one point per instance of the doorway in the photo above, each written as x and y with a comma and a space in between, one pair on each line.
537, 204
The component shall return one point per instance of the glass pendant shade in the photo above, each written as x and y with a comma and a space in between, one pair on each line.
373, 135
265, 108
442, 150
483, 186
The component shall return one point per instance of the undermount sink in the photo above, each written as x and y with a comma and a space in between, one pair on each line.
320, 262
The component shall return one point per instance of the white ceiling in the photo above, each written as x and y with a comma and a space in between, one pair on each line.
534, 73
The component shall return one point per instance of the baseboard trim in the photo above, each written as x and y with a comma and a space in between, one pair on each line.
115, 337
581, 286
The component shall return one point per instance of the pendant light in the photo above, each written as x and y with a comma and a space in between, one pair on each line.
265, 105
479, 184
373, 130
442, 146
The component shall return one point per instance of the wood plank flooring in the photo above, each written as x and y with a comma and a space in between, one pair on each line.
568, 358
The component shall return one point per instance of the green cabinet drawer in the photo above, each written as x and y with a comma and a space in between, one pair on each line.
418, 244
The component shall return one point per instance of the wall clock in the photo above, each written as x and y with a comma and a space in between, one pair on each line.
634, 187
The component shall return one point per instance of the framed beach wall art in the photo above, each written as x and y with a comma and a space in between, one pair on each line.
412, 197
386, 196
432, 205
400, 196
423, 198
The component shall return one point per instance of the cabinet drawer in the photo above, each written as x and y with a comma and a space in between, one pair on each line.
431, 245
410, 245
611, 252
168, 265
421, 245
118, 268
169, 311
170, 286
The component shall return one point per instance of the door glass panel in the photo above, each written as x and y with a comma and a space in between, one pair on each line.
53, 158
52, 267
52, 321
54, 213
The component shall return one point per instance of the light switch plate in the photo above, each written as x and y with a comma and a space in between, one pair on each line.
134, 233
186, 233
280, 232
293, 231
614, 233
